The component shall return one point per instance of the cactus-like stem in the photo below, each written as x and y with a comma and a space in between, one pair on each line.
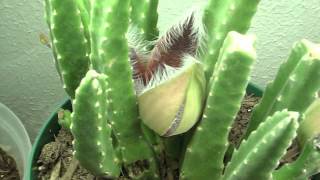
113, 52
92, 133
48, 15
64, 118
144, 16
96, 33
83, 6
69, 42
307, 164
295, 85
219, 18
86, 6
227, 90
259, 156
310, 125
306, 83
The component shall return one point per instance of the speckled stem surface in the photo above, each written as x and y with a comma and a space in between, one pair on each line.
295, 85
97, 34
210, 140
115, 62
310, 124
64, 118
91, 131
144, 16
70, 43
259, 156
48, 15
83, 6
307, 164
220, 17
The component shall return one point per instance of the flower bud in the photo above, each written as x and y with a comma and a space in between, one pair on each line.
173, 105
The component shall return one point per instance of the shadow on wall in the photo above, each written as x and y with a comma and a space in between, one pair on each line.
29, 83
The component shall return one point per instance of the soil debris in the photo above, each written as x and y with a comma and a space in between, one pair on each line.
56, 159
8, 167
242, 120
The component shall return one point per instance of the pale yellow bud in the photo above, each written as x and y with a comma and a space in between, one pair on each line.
174, 105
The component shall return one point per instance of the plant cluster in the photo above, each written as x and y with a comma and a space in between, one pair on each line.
139, 98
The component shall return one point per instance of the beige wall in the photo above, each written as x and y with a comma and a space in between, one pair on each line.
30, 86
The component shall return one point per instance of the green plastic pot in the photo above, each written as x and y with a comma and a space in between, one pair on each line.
51, 128
46, 135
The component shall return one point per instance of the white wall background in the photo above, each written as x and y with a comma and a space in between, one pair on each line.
30, 86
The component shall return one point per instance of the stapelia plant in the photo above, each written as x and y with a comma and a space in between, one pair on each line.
310, 126
132, 90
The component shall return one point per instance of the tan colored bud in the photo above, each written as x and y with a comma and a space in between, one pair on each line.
174, 105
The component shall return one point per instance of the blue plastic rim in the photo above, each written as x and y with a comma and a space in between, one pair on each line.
51, 128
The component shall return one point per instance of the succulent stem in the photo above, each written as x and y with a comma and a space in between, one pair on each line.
257, 157
144, 16
111, 52
69, 42
220, 17
305, 166
295, 85
90, 128
64, 118
231, 78
310, 124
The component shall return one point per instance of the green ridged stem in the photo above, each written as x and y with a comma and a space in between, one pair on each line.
91, 131
259, 156
307, 164
303, 86
310, 124
47, 8
64, 118
116, 65
221, 17
273, 89
210, 140
83, 6
86, 5
47, 14
97, 33
295, 85
69, 42
144, 16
